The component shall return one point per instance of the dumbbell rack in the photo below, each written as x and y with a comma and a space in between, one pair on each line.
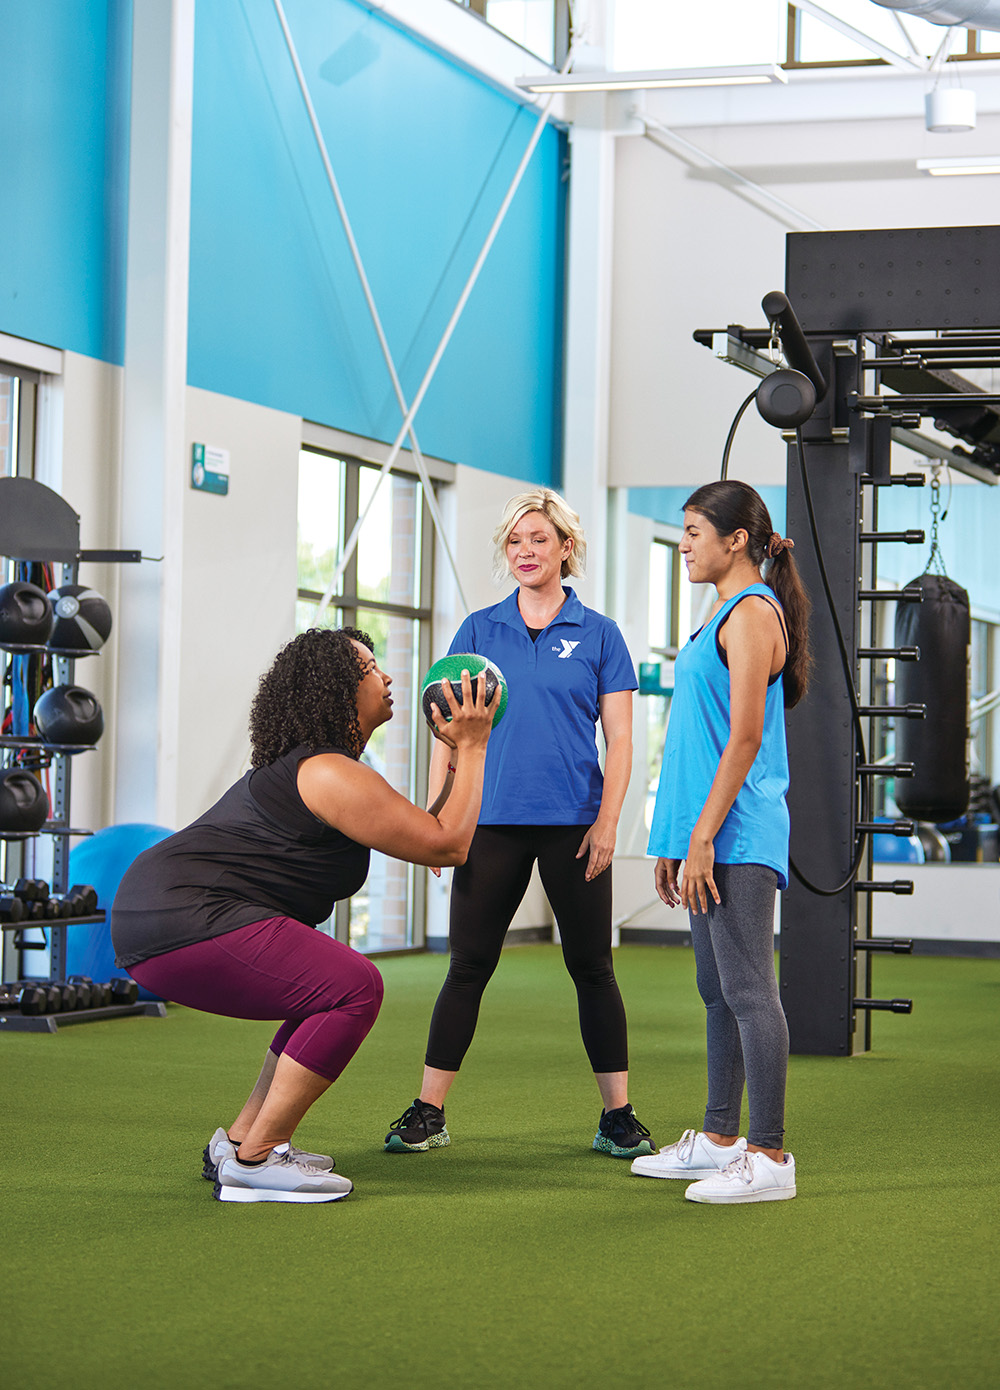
37, 525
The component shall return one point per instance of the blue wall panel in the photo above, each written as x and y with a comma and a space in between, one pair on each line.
64, 72
665, 504
967, 536
423, 153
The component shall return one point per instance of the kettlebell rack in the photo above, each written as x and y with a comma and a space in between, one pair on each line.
38, 526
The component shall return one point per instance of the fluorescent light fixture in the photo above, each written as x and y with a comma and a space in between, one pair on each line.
644, 81
971, 164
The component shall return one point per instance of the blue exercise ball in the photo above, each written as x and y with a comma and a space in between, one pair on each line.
101, 860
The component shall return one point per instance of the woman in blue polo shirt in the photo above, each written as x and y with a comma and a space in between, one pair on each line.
545, 800
720, 810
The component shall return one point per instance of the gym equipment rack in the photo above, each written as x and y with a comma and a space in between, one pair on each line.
848, 295
37, 525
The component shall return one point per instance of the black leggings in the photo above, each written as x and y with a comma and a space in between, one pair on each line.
486, 892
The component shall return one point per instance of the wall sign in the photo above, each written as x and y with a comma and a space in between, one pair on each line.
210, 469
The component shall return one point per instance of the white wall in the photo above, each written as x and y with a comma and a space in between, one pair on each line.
239, 581
691, 252
233, 581
688, 255
950, 902
80, 448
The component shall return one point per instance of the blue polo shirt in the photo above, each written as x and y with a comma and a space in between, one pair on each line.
541, 762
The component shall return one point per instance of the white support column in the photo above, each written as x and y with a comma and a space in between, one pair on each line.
153, 466
588, 332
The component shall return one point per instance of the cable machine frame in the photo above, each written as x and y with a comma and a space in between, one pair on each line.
849, 297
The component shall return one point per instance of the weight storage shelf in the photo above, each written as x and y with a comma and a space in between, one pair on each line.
59, 749
32, 648
40, 536
14, 1022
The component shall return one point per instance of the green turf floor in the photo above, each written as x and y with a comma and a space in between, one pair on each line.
517, 1257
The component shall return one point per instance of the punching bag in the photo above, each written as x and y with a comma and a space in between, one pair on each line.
938, 744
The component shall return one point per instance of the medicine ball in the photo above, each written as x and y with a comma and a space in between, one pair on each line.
23, 803
25, 615
450, 668
786, 398
69, 714
82, 619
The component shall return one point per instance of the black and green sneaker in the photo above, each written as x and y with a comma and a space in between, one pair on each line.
420, 1127
621, 1135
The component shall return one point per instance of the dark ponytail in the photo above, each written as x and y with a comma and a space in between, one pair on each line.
734, 506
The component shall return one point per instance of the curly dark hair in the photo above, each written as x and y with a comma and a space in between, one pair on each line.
309, 695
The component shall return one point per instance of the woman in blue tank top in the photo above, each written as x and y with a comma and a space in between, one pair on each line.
721, 812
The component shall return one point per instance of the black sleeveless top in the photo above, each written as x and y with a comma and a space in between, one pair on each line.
258, 852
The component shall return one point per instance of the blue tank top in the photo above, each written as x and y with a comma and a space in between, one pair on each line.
756, 829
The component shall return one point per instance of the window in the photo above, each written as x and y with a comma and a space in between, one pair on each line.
17, 422
648, 34
981, 682
386, 591
540, 26
812, 43
663, 642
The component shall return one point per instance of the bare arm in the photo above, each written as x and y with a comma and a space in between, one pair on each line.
616, 725
356, 800
752, 638
439, 778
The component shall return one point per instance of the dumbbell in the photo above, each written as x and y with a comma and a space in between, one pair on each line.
81, 986
28, 999
100, 994
51, 996
68, 994
11, 908
82, 900
124, 991
31, 889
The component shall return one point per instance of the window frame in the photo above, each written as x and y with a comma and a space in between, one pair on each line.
793, 63
347, 602
23, 425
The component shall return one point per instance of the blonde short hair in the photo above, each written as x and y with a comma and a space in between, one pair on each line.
562, 516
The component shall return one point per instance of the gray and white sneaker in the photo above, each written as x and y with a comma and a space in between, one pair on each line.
693, 1156
280, 1178
220, 1146
752, 1177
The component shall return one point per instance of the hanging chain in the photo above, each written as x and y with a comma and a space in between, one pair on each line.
935, 560
774, 346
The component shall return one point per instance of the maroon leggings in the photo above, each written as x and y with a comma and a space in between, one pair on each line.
328, 994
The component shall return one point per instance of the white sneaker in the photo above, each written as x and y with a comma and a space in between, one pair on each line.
220, 1146
753, 1177
280, 1178
693, 1156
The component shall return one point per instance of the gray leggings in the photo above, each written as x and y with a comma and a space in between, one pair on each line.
747, 1032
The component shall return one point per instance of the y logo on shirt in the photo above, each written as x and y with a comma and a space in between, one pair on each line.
568, 649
